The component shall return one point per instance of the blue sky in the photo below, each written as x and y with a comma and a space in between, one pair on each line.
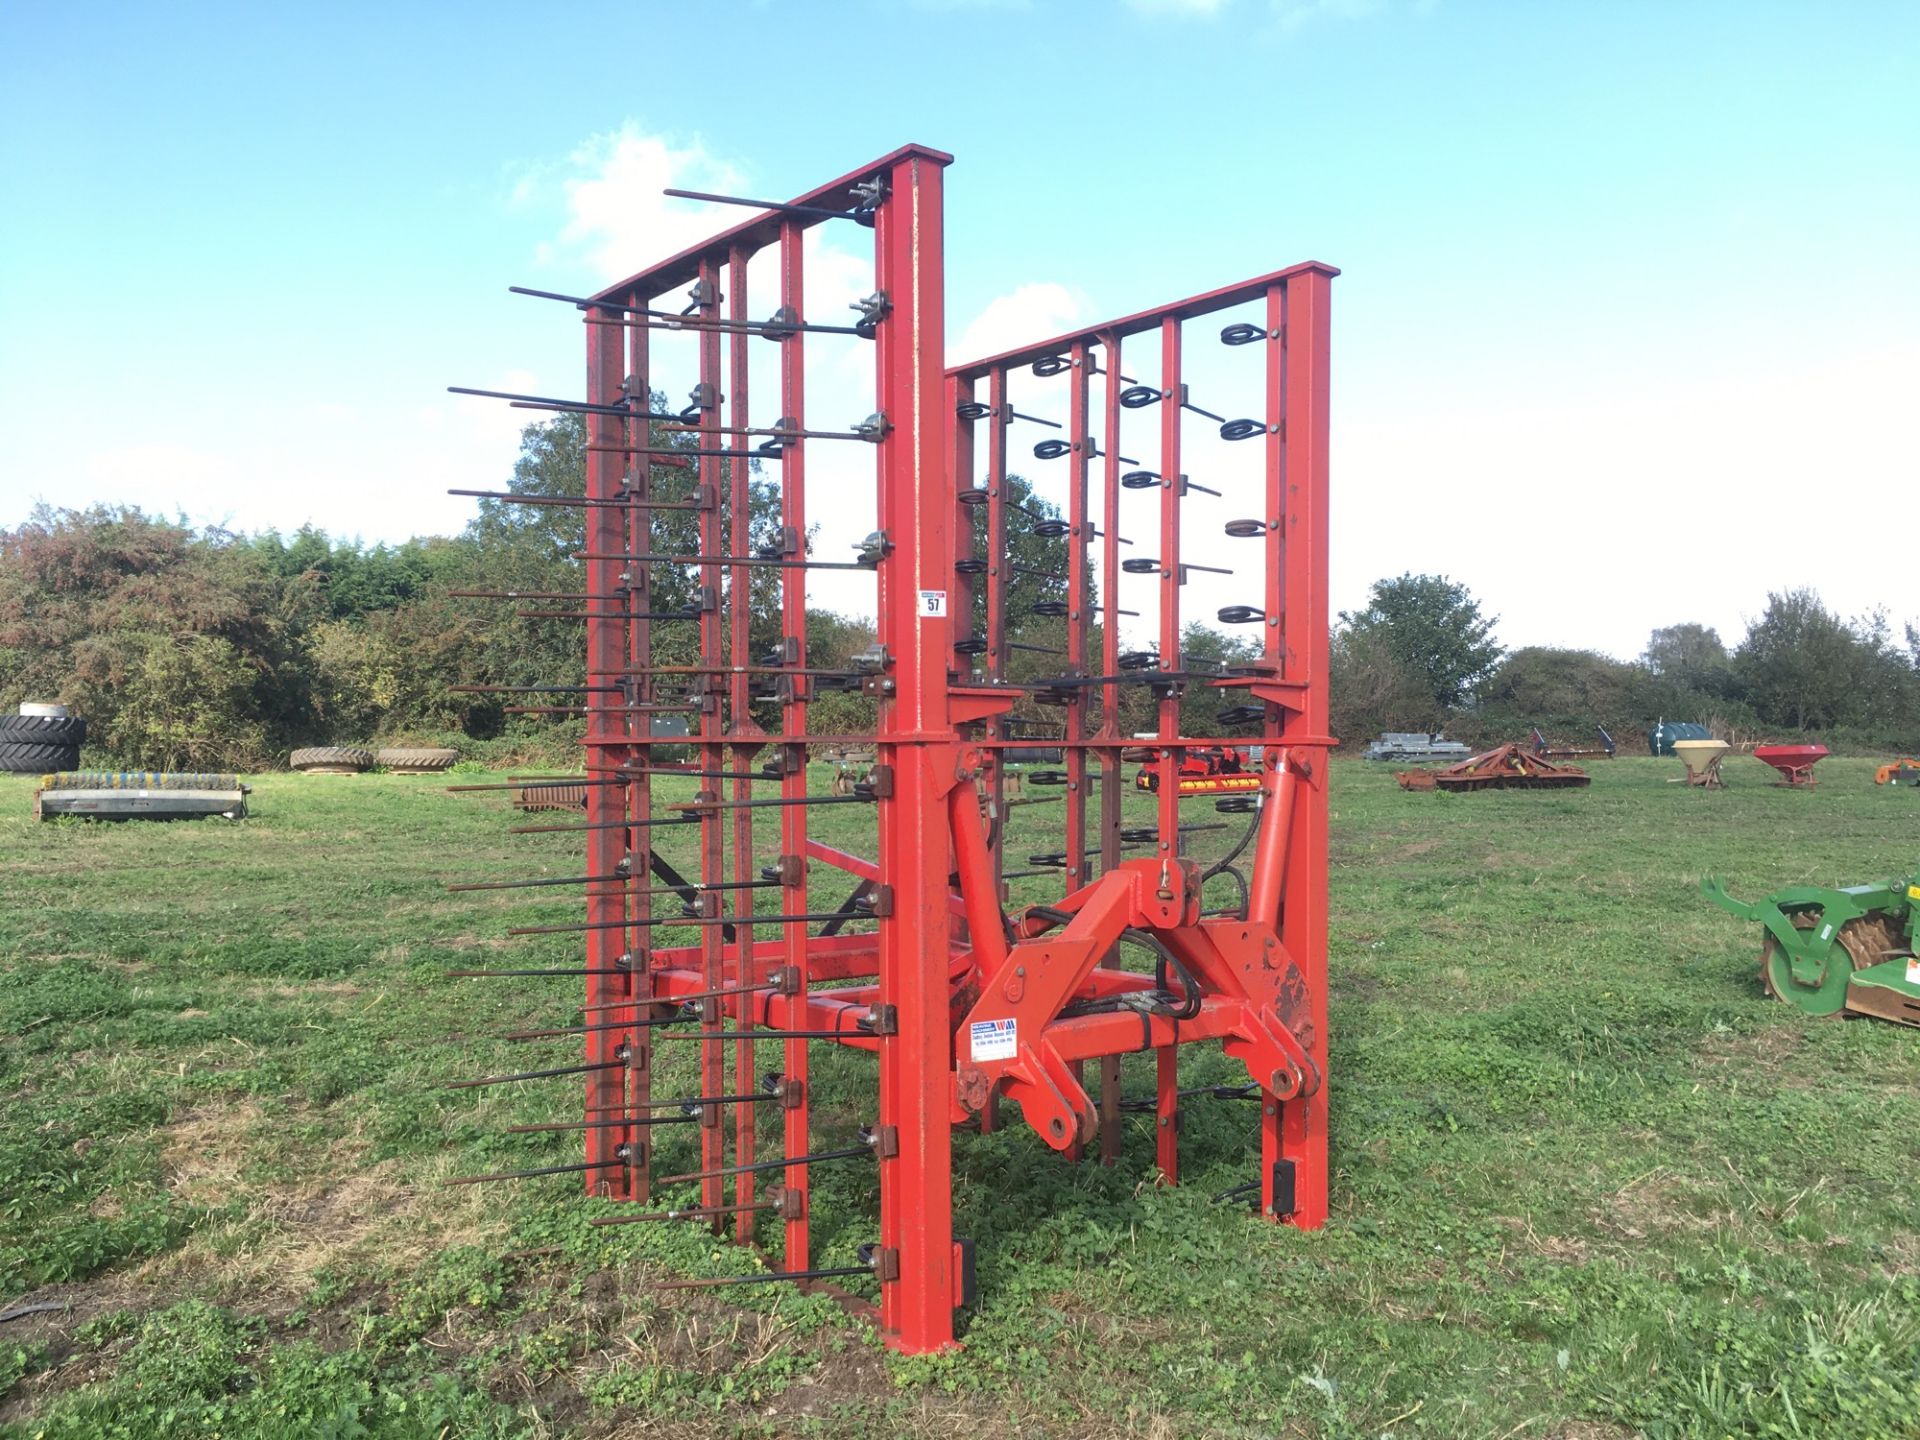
1596, 257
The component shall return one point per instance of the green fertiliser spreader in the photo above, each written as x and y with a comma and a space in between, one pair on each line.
1838, 951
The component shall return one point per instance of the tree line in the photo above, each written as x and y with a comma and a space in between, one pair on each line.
1422, 656
201, 648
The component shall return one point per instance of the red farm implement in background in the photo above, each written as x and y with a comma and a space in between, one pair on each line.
1202, 770
1794, 762
908, 953
1505, 767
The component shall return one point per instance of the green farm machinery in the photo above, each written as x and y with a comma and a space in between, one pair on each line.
1838, 951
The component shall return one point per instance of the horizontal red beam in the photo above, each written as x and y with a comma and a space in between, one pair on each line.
753, 235
1141, 322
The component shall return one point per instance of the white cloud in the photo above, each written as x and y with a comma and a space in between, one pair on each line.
1021, 316
617, 217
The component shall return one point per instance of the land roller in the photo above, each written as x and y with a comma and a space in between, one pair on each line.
1833, 952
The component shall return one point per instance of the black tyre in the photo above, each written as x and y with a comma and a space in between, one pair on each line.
417, 761
29, 758
63, 730
331, 760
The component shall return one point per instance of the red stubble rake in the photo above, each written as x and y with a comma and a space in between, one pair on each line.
961, 1004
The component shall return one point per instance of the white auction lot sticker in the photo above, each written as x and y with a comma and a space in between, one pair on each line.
995, 1039
933, 604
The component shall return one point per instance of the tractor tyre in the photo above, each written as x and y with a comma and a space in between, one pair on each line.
424, 761
64, 731
330, 760
29, 757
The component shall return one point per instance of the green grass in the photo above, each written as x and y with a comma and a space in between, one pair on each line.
1587, 1180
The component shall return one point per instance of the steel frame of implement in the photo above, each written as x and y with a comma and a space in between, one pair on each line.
960, 1005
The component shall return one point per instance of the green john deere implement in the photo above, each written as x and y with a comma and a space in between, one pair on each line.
1838, 951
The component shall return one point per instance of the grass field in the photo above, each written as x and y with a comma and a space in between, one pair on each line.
1588, 1182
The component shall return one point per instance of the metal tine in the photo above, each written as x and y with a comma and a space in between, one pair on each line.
524, 1035
979, 410
776, 432
519, 781
729, 670
669, 921
543, 1170
615, 879
624, 410
1138, 397
581, 502
542, 689
538, 1074
692, 1212
575, 970
596, 825
705, 806
777, 562
655, 709
852, 1152
1216, 1092
772, 329
859, 215
767, 1034
770, 1090
654, 772
535, 595
1149, 479
786, 986
618, 1122
607, 614
716, 1282
531, 884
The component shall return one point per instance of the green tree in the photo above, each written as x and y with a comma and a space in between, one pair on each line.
178, 647
1369, 689
1797, 661
1431, 628
1688, 654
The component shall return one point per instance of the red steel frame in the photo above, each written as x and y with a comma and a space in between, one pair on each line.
943, 963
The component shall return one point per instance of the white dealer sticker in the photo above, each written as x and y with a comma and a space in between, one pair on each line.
995, 1039
1913, 972
933, 604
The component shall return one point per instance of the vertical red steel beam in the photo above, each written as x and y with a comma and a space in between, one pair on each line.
793, 818
965, 523
713, 833
638, 591
1079, 623
1110, 608
999, 577
739, 717
916, 739
1170, 500
1079, 588
606, 645
1167, 1060
1110, 764
1298, 362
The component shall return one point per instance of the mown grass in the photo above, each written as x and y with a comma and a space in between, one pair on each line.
1588, 1182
